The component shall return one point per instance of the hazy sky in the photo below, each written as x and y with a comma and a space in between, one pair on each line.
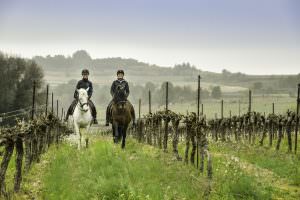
251, 36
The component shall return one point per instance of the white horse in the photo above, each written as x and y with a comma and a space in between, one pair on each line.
82, 117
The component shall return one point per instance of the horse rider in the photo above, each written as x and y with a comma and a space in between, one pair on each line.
84, 83
120, 81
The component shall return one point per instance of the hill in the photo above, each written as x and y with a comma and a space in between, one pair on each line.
60, 69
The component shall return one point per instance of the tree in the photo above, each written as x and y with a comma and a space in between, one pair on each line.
10, 72
23, 93
150, 86
216, 92
257, 85
225, 72
16, 78
81, 58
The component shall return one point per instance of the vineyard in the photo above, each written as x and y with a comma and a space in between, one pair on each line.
149, 100
28, 132
190, 139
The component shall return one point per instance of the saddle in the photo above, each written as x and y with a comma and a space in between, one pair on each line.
122, 102
113, 102
116, 102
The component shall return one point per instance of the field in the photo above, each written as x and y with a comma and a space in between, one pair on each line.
212, 107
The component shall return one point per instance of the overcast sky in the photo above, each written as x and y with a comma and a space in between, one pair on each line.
250, 36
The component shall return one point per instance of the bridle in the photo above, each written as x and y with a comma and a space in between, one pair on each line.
81, 106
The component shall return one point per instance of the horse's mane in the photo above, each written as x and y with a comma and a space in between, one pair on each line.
119, 97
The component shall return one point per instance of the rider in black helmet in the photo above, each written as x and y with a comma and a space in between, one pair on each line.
84, 83
120, 81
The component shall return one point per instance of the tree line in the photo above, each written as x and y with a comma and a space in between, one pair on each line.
16, 79
177, 94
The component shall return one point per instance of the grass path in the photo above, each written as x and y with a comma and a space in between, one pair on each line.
104, 171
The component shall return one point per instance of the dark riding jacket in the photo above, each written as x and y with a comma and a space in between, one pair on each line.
84, 83
119, 82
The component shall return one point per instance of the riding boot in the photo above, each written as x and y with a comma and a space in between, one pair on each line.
108, 113
94, 112
71, 109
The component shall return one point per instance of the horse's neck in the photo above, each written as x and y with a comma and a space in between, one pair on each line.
80, 111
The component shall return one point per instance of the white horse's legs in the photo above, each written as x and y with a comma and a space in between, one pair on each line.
78, 135
86, 135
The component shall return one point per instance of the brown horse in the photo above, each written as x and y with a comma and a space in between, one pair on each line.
122, 113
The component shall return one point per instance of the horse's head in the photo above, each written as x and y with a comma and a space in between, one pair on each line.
83, 99
120, 92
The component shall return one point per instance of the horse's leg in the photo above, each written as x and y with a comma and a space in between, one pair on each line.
78, 136
120, 133
87, 135
124, 136
116, 132
113, 132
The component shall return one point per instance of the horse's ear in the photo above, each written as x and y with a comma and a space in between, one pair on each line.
87, 89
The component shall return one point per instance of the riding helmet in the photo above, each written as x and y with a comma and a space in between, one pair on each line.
120, 71
85, 72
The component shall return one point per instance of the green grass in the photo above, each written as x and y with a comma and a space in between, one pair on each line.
244, 171
285, 165
231, 182
105, 171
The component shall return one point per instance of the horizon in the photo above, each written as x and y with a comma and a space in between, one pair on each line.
197, 67
252, 37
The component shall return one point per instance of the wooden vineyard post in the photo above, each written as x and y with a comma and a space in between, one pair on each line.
140, 102
222, 108
139, 131
297, 118
239, 108
47, 95
198, 117
167, 95
149, 102
33, 101
272, 125
19, 159
166, 120
198, 98
52, 102
250, 101
57, 108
